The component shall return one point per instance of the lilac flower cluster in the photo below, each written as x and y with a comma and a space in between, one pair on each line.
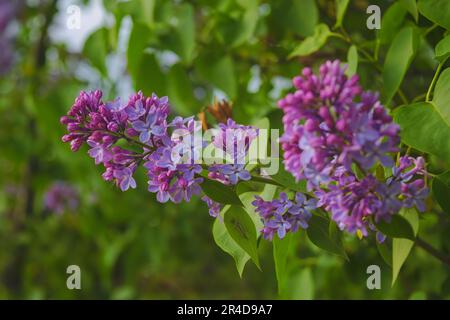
283, 215
334, 129
169, 150
8, 10
61, 197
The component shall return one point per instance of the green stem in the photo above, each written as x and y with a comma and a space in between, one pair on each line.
433, 82
265, 180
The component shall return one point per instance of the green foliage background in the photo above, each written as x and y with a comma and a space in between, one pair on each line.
128, 245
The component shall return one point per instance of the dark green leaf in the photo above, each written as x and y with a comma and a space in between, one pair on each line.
385, 252
220, 192
181, 92
437, 11
440, 187
149, 77
242, 229
319, 234
398, 227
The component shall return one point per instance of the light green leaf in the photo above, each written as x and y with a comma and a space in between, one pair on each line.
398, 227
219, 192
227, 244
442, 50
352, 61
96, 48
247, 198
341, 8
280, 255
312, 43
441, 95
140, 35
399, 57
302, 16
411, 6
402, 247
241, 228
391, 22
440, 187
424, 129
437, 11
319, 234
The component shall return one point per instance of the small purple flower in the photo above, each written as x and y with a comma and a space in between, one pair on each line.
61, 197
214, 207
99, 151
125, 178
231, 173
149, 127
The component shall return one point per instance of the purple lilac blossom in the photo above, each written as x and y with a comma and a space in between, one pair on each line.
61, 197
332, 125
283, 215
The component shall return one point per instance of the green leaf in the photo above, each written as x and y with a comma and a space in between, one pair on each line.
219, 71
385, 252
398, 58
341, 8
441, 95
287, 180
241, 228
182, 36
302, 16
398, 227
181, 92
313, 43
391, 22
247, 198
411, 6
227, 244
220, 192
402, 247
280, 255
319, 234
442, 50
149, 76
96, 49
352, 61
437, 11
139, 37
424, 129
440, 187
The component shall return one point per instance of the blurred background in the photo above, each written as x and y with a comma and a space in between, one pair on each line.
55, 209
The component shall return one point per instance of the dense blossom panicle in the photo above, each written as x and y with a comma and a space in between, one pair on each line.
283, 215
330, 122
334, 129
61, 197
8, 11
169, 150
